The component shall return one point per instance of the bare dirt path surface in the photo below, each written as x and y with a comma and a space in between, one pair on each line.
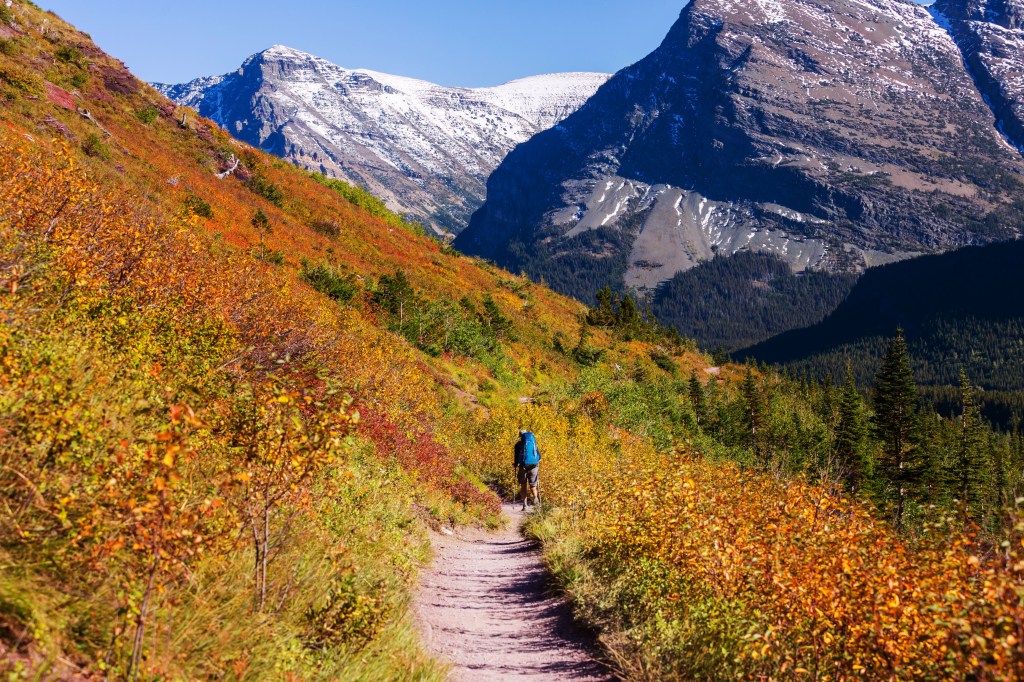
485, 607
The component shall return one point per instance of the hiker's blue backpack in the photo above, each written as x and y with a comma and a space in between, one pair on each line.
531, 455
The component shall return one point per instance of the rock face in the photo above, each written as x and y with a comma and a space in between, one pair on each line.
837, 135
990, 34
426, 149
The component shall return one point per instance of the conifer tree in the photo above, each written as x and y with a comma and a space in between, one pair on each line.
261, 223
698, 399
935, 442
969, 471
604, 314
895, 424
851, 436
828, 401
1000, 479
753, 412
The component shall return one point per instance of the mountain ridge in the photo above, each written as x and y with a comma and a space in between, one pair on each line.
425, 149
960, 311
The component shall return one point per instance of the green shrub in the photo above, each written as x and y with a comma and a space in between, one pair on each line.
347, 615
21, 80
69, 54
664, 360
8, 48
147, 115
558, 343
342, 287
5, 15
79, 80
587, 355
371, 204
197, 206
95, 147
266, 189
275, 257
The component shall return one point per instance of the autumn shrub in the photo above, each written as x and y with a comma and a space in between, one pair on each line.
328, 228
699, 570
416, 448
358, 540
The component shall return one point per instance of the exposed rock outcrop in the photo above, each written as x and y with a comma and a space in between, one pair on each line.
990, 34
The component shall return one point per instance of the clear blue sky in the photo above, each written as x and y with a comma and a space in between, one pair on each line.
452, 42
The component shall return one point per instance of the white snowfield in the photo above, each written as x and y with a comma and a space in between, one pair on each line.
425, 148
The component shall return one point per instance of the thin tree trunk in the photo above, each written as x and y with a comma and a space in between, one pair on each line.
258, 558
266, 550
140, 620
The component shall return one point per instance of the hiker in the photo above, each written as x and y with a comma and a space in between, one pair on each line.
527, 463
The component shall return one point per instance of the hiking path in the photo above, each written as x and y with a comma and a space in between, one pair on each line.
485, 606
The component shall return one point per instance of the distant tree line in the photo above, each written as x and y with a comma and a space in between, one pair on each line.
889, 446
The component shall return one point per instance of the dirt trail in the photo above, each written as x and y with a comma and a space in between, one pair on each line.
484, 606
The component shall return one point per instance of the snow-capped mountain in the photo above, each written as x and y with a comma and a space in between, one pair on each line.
836, 135
424, 148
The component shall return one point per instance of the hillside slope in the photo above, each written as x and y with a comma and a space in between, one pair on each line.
213, 431
424, 148
729, 303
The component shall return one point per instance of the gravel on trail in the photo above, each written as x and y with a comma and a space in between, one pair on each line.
486, 607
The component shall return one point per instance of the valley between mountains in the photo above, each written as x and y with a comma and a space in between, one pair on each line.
267, 340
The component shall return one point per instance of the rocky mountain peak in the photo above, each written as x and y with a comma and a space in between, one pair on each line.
1006, 13
835, 135
426, 149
